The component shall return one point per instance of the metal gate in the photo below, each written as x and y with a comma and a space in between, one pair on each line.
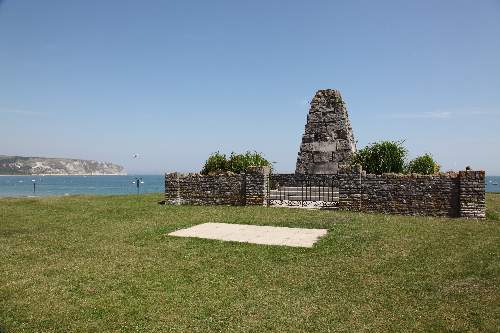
321, 192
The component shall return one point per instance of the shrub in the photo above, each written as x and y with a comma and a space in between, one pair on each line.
424, 164
236, 163
215, 163
240, 162
382, 157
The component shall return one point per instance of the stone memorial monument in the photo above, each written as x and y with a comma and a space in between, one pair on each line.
328, 140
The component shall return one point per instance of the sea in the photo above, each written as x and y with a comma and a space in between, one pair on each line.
22, 186
493, 184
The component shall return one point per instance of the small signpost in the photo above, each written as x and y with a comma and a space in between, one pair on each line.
138, 182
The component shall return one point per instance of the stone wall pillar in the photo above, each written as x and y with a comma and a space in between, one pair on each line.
351, 188
172, 188
256, 185
472, 194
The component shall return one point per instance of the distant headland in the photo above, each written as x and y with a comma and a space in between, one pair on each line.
22, 165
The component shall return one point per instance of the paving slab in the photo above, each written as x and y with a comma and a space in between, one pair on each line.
297, 237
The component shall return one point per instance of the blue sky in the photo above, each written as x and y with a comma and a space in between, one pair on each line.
177, 80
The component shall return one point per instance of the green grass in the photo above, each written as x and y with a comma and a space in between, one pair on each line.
104, 264
493, 206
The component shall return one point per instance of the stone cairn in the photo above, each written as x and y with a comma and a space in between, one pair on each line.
328, 140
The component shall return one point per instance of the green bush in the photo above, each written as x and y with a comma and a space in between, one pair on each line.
236, 163
240, 162
424, 164
382, 157
215, 162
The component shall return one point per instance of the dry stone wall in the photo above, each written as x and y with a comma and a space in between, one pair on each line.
410, 194
472, 194
452, 195
221, 189
196, 189
256, 185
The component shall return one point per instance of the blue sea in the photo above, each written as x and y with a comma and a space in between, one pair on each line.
492, 184
17, 186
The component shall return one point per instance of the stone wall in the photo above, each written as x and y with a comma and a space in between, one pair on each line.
221, 189
472, 194
196, 189
256, 185
410, 194
350, 189
453, 195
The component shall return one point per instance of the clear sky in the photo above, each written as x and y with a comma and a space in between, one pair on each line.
177, 80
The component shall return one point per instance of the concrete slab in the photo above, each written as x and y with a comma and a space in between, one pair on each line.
297, 237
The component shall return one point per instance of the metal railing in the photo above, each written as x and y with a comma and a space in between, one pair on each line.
305, 191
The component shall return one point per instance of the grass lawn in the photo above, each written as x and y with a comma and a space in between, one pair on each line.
104, 264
